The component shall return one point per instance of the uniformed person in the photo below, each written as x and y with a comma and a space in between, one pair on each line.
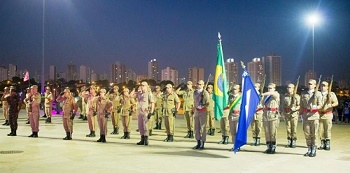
158, 95
115, 99
329, 101
290, 107
34, 109
90, 96
83, 104
201, 102
104, 109
224, 123
210, 112
187, 96
127, 103
171, 105
14, 103
48, 104
309, 106
5, 106
144, 110
234, 108
271, 101
26, 102
257, 122
69, 108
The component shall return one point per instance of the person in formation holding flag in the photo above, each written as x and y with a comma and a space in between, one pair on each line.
48, 104
69, 110
224, 122
309, 105
257, 121
5, 105
210, 112
171, 105
34, 109
188, 107
271, 100
290, 107
329, 100
201, 102
234, 109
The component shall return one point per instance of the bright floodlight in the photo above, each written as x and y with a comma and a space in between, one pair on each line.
313, 19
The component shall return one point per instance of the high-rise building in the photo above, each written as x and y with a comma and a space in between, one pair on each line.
83, 73
309, 75
12, 72
232, 74
52, 73
195, 74
62, 75
130, 75
94, 76
153, 71
3, 73
256, 70
170, 74
71, 72
118, 73
273, 69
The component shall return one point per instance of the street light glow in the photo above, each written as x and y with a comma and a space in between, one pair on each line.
313, 19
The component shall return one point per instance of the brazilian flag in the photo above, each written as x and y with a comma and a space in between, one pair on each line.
220, 83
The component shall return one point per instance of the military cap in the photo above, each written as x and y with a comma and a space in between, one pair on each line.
34, 86
236, 87
290, 85
6, 88
126, 90
115, 87
257, 85
312, 81
189, 82
200, 82
48, 88
325, 83
157, 87
168, 85
271, 85
144, 83
66, 90
103, 90
210, 86
12, 87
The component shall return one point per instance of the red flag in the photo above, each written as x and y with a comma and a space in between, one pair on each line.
26, 76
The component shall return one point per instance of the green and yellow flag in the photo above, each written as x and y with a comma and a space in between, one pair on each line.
220, 83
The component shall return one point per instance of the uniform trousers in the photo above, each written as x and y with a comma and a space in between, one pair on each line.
200, 121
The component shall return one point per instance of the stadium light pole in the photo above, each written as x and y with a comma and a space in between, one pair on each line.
43, 53
313, 19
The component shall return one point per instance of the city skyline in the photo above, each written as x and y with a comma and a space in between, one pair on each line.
178, 34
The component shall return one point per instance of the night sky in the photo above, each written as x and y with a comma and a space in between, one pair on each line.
178, 33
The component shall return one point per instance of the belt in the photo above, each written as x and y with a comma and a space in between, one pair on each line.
270, 109
259, 110
310, 110
324, 112
235, 112
287, 109
201, 110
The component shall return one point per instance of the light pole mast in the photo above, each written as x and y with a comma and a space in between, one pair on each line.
43, 52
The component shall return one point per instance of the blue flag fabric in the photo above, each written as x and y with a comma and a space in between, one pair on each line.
250, 101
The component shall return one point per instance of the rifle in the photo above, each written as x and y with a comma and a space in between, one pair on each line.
205, 87
293, 102
316, 89
262, 85
328, 101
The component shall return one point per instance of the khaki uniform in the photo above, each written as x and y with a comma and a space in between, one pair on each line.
234, 116
5, 106
271, 116
69, 107
83, 105
201, 102
158, 99
103, 105
26, 102
144, 101
309, 105
188, 107
291, 116
48, 104
90, 111
34, 112
326, 116
210, 114
115, 99
257, 123
126, 102
169, 102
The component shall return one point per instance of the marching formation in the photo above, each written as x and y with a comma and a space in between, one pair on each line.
314, 107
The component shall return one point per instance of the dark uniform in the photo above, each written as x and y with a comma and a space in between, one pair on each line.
14, 103
201, 102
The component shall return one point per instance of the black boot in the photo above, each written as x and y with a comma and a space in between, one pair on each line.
5, 122
328, 145
209, 132
222, 140
294, 141
156, 126
85, 118
226, 140
10, 134
254, 142
114, 131
81, 116
308, 151
32, 135
322, 146
146, 140
257, 141
273, 147
48, 120
92, 134
160, 126
123, 137
142, 142
100, 139
198, 145
191, 134
150, 133
171, 138
28, 122
167, 138
127, 135
212, 132
68, 136
289, 142
268, 150
313, 151
103, 138
201, 147
35, 135
188, 134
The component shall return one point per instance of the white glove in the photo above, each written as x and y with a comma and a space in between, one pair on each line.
314, 106
329, 105
199, 107
293, 109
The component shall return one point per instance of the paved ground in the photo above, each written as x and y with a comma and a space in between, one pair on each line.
49, 153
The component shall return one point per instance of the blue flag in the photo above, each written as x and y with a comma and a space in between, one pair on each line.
250, 100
